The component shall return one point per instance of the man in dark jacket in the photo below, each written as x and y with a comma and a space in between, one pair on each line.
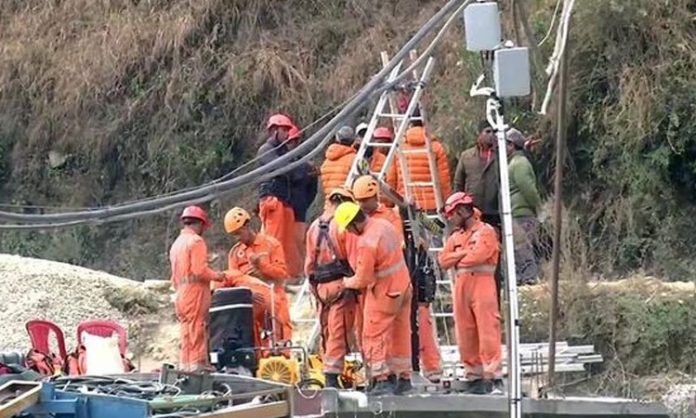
276, 194
477, 174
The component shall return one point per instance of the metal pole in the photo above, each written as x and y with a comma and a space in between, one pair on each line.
557, 211
514, 389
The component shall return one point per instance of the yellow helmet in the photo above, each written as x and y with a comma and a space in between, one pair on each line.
365, 187
236, 218
345, 213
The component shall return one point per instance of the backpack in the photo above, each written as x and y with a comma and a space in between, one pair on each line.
76, 363
44, 364
334, 270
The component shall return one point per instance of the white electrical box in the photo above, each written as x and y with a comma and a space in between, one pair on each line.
511, 72
482, 26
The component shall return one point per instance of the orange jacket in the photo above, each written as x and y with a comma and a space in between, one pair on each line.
419, 168
337, 239
191, 275
389, 215
270, 260
335, 168
380, 266
474, 250
392, 175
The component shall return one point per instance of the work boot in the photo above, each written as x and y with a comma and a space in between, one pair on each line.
392, 379
498, 387
331, 380
381, 388
403, 387
480, 387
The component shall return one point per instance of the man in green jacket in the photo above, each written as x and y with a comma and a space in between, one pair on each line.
525, 202
477, 174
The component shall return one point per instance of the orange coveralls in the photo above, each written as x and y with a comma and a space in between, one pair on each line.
336, 314
392, 177
278, 221
262, 298
382, 275
191, 279
429, 350
474, 254
270, 267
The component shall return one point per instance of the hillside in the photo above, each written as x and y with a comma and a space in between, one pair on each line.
102, 102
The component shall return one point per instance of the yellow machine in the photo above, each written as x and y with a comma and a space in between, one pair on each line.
305, 372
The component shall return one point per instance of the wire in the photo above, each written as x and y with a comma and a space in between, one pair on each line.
559, 50
274, 168
553, 22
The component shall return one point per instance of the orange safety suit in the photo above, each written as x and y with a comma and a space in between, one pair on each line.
261, 305
278, 221
392, 177
390, 215
473, 252
429, 352
336, 166
336, 312
270, 267
191, 279
419, 169
382, 275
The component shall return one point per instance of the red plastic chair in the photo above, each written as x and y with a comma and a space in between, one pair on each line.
39, 332
104, 328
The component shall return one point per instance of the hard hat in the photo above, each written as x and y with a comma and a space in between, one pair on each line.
345, 135
279, 120
345, 213
456, 199
362, 127
236, 218
383, 133
365, 187
515, 137
341, 191
195, 212
294, 133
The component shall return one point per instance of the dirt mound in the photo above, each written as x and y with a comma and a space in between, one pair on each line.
66, 294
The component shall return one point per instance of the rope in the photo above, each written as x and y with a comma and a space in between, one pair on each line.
559, 50
304, 152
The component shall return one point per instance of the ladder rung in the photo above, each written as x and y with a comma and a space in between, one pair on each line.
443, 315
443, 282
379, 144
414, 151
421, 184
398, 116
304, 320
436, 249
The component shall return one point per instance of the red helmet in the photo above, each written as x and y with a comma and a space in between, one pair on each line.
383, 133
279, 120
294, 133
195, 212
456, 199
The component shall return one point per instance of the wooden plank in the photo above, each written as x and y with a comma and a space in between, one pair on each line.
20, 395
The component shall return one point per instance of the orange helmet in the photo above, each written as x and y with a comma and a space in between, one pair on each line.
365, 187
279, 120
383, 133
195, 212
236, 218
341, 191
294, 133
456, 199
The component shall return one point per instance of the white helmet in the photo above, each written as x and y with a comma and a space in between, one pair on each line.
361, 129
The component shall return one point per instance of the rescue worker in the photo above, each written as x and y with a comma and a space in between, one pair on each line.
477, 174
365, 190
338, 160
305, 187
381, 274
525, 202
419, 167
260, 255
191, 277
326, 265
472, 250
378, 160
276, 212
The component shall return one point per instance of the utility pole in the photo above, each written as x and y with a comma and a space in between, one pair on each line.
557, 211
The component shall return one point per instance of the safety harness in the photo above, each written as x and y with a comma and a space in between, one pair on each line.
334, 270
